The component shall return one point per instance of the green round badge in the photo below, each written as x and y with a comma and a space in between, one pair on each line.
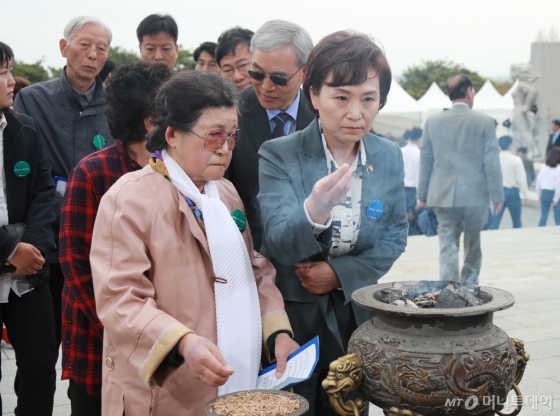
240, 219
22, 169
99, 141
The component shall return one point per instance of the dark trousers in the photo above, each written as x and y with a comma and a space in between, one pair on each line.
56, 281
547, 196
81, 403
451, 223
410, 196
30, 326
308, 322
513, 203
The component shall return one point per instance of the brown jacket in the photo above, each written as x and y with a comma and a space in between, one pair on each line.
152, 276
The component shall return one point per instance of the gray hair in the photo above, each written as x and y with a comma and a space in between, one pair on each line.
77, 22
278, 34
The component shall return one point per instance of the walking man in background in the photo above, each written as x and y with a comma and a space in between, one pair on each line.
514, 181
411, 159
459, 176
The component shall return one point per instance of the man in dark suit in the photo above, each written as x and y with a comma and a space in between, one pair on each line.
459, 176
554, 139
274, 106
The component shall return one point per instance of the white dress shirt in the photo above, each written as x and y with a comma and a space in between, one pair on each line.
513, 172
411, 159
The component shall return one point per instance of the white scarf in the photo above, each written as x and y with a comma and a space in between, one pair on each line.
238, 313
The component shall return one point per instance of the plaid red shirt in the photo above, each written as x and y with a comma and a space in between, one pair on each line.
82, 332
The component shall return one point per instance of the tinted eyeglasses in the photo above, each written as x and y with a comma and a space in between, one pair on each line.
241, 69
216, 138
275, 79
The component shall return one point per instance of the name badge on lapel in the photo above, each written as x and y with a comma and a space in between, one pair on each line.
239, 219
374, 210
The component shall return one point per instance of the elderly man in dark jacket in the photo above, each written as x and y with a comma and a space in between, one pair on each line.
69, 115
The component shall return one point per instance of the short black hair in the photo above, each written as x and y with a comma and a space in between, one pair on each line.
415, 134
182, 100
348, 57
522, 149
458, 85
6, 58
6, 54
556, 121
129, 98
209, 47
228, 41
155, 23
553, 157
504, 142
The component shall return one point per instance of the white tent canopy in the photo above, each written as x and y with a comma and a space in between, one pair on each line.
508, 99
434, 99
489, 101
399, 114
488, 98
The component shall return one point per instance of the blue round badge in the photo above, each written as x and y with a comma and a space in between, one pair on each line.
374, 210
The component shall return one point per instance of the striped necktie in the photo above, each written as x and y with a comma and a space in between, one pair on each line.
280, 119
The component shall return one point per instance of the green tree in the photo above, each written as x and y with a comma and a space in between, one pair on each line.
121, 56
417, 79
185, 60
32, 72
502, 86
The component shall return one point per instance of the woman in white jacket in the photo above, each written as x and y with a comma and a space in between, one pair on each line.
548, 186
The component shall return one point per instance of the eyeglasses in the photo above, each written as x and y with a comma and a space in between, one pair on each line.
275, 79
216, 138
241, 69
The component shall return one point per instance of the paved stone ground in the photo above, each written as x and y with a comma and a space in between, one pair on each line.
525, 262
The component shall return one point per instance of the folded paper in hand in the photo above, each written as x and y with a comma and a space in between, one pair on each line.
301, 364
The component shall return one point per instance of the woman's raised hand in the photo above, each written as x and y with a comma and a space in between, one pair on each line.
204, 360
327, 193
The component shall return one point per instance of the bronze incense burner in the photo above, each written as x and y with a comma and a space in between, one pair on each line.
416, 361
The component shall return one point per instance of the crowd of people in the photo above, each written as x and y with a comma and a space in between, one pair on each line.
173, 232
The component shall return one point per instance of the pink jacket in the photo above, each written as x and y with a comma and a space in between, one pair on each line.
152, 277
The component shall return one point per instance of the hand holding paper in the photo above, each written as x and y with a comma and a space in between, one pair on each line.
300, 366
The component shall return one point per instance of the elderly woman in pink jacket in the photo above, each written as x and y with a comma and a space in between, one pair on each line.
186, 302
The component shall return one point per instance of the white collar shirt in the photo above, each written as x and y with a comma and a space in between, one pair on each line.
411, 160
513, 172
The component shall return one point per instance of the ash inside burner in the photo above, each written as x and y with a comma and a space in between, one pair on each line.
424, 295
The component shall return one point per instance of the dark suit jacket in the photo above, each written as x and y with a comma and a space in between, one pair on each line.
30, 198
550, 145
243, 172
288, 169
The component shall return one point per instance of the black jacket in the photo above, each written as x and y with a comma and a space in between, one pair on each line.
31, 198
65, 128
549, 145
243, 172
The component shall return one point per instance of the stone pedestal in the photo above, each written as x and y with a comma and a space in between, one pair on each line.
545, 60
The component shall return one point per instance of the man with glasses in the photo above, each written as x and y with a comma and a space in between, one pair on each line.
274, 106
234, 57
